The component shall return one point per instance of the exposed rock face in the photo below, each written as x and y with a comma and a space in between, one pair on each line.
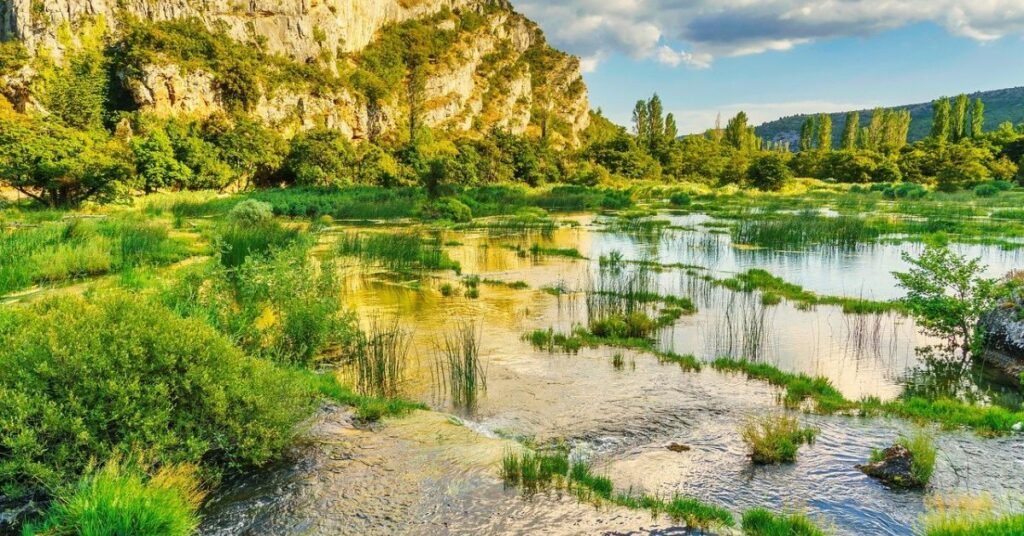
1004, 331
474, 92
895, 469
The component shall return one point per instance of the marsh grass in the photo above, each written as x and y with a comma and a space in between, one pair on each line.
398, 252
381, 356
922, 447
118, 499
368, 408
536, 471
761, 522
968, 516
799, 231
458, 371
826, 399
775, 439
238, 242
66, 250
774, 288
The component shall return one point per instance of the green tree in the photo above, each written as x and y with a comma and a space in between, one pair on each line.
962, 166
769, 172
320, 157
156, 163
941, 120
59, 166
977, 118
642, 123
824, 132
253, 151
671, 129
656, 116
850, 131
947, 295
959, 118
807, 130
738, 133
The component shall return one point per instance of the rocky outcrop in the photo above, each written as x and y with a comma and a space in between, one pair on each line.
487, 82
1004, 335
894, 469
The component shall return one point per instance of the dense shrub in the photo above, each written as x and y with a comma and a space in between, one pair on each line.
285, 306
252, 212
769, 172
986, 190
447, 208
90, 379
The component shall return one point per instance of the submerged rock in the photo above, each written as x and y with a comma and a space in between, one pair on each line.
677, 447
895, 469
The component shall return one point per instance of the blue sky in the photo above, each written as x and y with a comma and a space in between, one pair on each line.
773, 58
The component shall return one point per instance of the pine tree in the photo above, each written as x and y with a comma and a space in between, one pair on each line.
941, 120
850, 131
977, 118
959, 121
807, 134
825, 132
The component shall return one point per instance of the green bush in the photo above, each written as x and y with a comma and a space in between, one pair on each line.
120, 500
448, 209
252, 212
90, 379
986, 190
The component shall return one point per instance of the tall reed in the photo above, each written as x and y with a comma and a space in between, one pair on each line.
458, 370
381, 356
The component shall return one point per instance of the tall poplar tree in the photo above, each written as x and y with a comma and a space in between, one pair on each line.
656, 116
807, 134
850, 131
641, 122
737, 133
977, 118
825, 132
671, 129
941, 120
959, 121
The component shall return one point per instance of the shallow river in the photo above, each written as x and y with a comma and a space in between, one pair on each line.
437, 472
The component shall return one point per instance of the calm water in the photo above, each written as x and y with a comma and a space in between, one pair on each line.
431, 473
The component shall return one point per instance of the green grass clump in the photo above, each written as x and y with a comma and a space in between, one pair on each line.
799, 387
687, 362
761, 522
368, 408
89, 379
922, 447
975, 526
775, 438
534, 471
380, 355
797, 231
457, 367
536, 250
119, 500
775, 288
400, 252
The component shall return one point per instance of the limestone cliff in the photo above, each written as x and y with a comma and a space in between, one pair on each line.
498, 73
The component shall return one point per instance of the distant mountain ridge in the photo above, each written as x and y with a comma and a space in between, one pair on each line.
1000, 105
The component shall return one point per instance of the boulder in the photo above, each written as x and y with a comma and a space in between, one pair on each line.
1004, 332
895, 469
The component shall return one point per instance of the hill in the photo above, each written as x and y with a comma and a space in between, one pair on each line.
367, 68
1000, 105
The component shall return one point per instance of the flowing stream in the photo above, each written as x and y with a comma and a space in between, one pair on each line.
437, 472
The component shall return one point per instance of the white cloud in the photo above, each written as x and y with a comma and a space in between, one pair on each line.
694, 32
